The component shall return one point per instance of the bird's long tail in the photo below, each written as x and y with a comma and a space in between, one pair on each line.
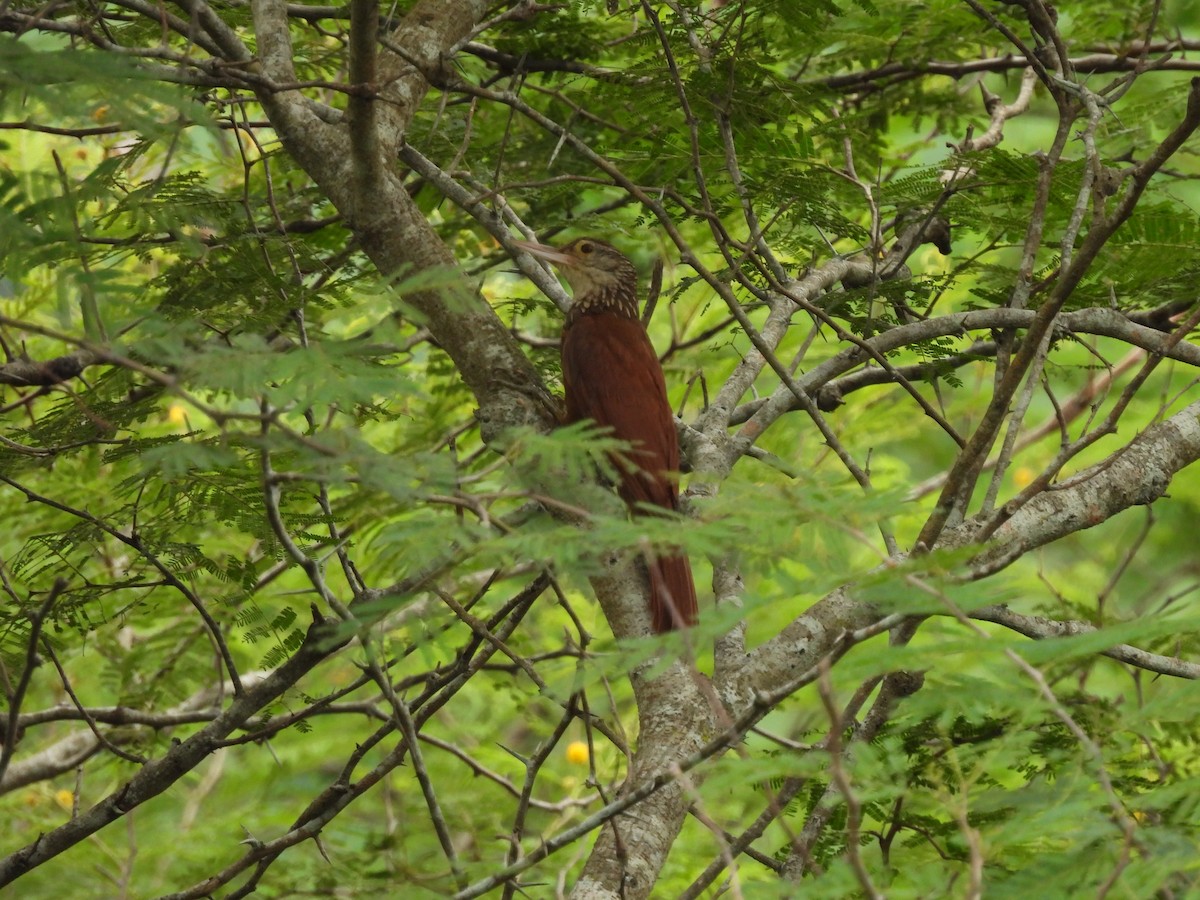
672, 593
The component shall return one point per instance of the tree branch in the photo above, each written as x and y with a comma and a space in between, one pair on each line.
30, 373
1040, 628
1135, 475
160, 774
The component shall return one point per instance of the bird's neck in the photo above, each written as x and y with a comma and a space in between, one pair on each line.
616, 299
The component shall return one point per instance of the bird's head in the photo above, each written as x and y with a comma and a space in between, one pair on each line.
587, 264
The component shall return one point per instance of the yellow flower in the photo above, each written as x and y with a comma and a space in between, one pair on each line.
577, 752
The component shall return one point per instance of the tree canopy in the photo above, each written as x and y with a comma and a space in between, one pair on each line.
306, 589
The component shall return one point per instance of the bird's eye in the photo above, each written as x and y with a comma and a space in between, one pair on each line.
586, 247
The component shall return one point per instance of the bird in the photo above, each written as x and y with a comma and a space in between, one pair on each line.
612, 376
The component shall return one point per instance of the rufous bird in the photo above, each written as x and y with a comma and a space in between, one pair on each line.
611, 375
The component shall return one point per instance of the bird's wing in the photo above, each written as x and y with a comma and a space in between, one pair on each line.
612, 376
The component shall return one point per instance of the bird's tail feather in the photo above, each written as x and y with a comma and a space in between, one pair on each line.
672, 593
